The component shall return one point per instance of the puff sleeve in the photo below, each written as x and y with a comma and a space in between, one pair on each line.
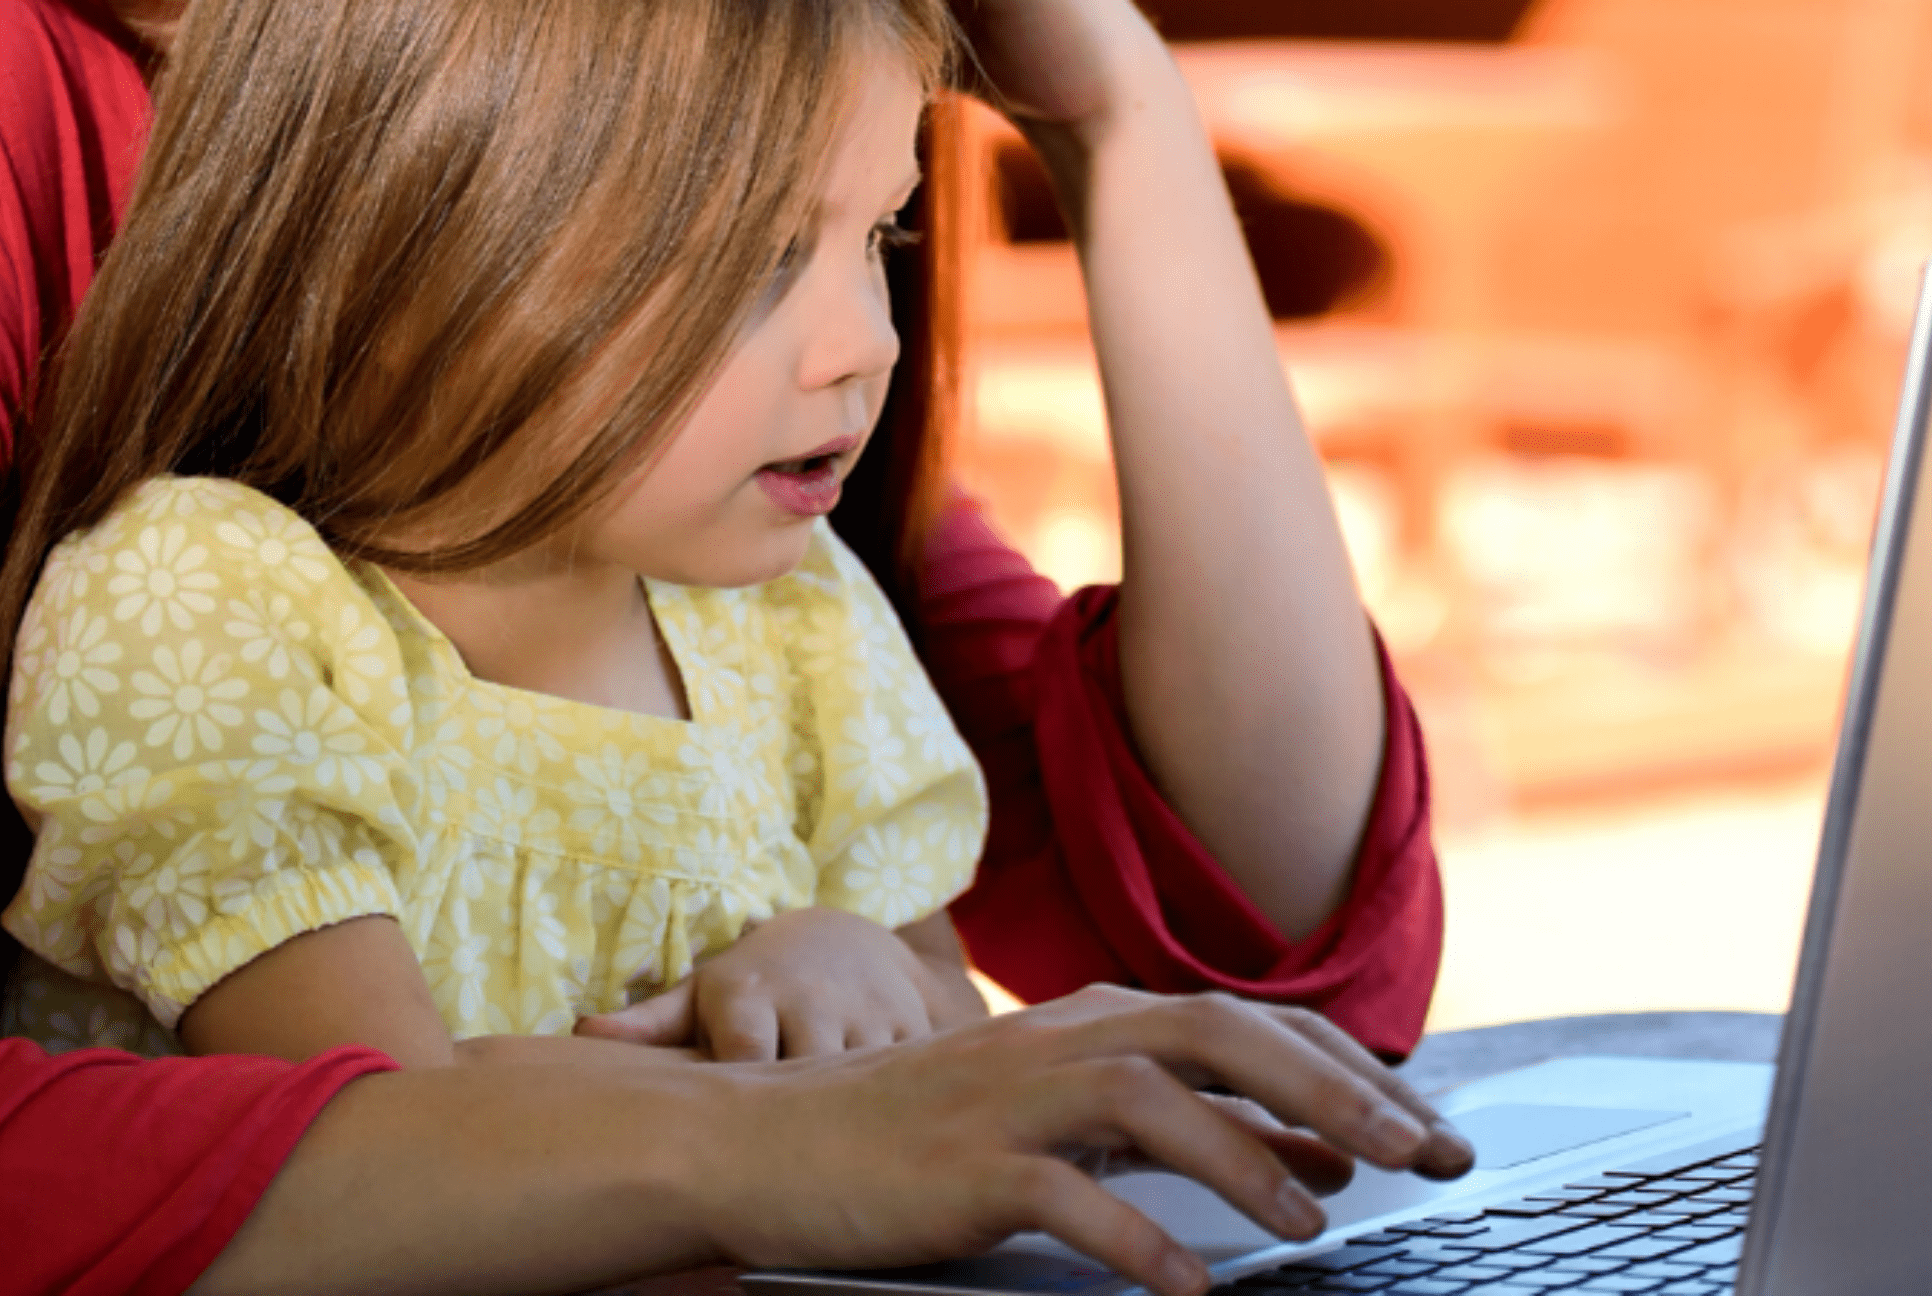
894, 808
206, 724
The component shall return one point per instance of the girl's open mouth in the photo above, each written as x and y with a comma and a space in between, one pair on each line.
807, 486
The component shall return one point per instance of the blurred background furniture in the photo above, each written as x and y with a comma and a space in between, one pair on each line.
1596, 310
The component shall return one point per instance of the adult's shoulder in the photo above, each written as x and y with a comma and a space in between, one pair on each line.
74, 115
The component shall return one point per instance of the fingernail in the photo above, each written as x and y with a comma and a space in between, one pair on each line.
1395, 1134
1181, 1272
1299, 1217
1450, 1152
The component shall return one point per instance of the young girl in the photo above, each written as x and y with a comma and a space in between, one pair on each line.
446, 640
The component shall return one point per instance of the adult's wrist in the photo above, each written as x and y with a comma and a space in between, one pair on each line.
1147, 99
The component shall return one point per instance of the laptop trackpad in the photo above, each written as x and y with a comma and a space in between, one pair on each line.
1511, 1134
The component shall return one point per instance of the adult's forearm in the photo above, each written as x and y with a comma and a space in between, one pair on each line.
532, 1179
482, 1180
1246, 659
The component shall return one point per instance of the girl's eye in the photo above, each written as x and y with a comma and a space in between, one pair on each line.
888, 234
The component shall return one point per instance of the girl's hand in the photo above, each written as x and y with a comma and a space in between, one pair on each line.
1057, 62
807, 983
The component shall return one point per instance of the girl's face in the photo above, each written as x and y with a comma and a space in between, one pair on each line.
732, 498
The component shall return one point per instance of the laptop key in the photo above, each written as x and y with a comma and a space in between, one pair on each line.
1724, 1251
1618, 1283
1459, 1230
1670, 1163
1398, 1268
1697, 1232
1643, 1248
1582, 1240
1346, 1257
1508, 1234
1470, 1273
1426, 1287
1512, 1260
1533, 1207
1352, 1282
1669, 1270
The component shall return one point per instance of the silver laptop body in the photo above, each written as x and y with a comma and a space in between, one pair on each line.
1844, 1188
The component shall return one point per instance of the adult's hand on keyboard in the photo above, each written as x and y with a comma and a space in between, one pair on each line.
945, 1146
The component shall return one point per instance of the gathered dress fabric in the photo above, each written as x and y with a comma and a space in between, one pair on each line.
227, 737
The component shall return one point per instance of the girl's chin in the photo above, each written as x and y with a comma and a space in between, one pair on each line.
740, 561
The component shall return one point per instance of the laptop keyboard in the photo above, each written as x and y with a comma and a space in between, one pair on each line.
1655, 1227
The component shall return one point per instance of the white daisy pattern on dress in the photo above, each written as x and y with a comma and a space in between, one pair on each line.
231, 737
162, 578
188, 699
80, 670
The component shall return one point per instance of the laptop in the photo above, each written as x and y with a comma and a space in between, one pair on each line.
1600, 1175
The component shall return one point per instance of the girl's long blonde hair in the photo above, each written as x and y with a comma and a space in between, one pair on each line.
373, 241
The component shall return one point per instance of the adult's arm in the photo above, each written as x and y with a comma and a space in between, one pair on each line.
1247, 664
1089, 875
119, 1175
538, 1179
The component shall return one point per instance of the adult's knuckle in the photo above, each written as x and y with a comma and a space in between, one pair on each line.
1033, 1184
1106, 995
1299, 1018
1125, 1083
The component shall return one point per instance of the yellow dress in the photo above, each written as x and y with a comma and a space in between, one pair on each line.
229, 738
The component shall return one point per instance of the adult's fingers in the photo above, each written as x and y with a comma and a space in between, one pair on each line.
664, 1020
1055, 1198
1216, 1038
1447, 1154
1136, 1101
1322, 1169
740, 1027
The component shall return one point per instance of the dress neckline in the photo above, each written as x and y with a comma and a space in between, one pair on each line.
672, 635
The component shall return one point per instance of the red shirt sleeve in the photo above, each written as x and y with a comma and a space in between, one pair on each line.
127, 1175
1089, 876
73, 119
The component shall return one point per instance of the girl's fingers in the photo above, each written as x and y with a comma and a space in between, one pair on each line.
1447, 1154
743, 1028
804, 1033
1055, 1198
665, 1020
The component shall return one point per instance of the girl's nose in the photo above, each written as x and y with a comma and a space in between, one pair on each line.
852, 334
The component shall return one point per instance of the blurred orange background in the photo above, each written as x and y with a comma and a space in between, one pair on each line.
1597, 311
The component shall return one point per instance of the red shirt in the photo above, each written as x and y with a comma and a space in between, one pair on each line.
1089, 876
121, 1174
73, 117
